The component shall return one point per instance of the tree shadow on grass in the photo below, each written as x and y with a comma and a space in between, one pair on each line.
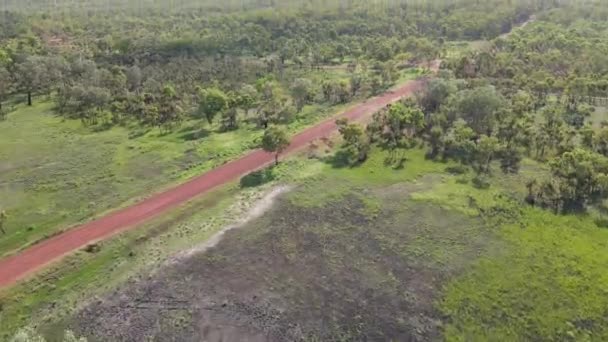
258, 178
344, 159
194, 134
339, 160
102, 127
138, 132
395, 162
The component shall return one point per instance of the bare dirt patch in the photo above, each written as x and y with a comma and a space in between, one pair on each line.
301, 274
262, 206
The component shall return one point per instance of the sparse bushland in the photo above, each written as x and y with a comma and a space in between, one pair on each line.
431, 218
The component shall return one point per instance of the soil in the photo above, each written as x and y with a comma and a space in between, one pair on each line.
332, 273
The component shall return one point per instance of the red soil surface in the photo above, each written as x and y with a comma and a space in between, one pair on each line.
26, 262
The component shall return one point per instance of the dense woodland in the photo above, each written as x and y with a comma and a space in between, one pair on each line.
528, 95
115, 65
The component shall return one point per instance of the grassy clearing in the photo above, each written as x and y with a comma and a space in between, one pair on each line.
541, 276
374, 172
454, 49
64, 173
550, 284
47, 299
545, 281
58, 291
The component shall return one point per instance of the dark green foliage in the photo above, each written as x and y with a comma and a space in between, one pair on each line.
275, 140
356, 145
3, 219
578, 178
397, 127
257, 178
212, 101
478, 107
480, 182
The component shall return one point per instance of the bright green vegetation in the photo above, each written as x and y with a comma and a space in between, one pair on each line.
548, 284
65, 173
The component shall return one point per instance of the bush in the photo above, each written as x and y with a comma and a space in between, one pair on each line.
457, 169
257, 178
481, 182
462, 180
601, 222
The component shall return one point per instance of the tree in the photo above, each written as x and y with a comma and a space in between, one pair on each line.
522, 103
230, 114
5, 88
435, 140
375, 84
356, 144
478, 107
600, 141
423, 50
485, 150
578, 178
435, 94
389, 73
134, 78
588, 137
398, 125
212, 101
577, 116
336, 91
357, 83
274, 106
87, 102
275, 140
169, 111
30, 75
510, 159
3, 219
247, 98
301, 91
459, 142
551, 133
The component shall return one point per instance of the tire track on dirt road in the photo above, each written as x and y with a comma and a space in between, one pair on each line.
26, 262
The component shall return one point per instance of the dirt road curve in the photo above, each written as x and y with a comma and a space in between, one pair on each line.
24, 263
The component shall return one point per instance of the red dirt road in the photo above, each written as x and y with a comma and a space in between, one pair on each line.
26, 262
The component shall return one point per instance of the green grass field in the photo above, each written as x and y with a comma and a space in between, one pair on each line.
56, 173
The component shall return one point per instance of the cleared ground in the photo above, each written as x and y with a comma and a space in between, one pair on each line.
368, 266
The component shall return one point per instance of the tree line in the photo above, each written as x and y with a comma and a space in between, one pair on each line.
109, 63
